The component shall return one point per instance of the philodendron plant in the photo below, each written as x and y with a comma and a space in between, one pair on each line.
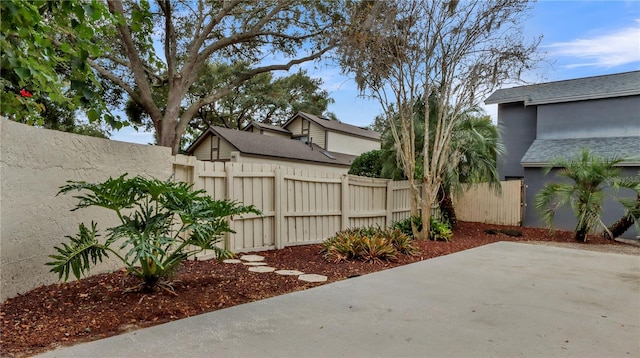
162, 223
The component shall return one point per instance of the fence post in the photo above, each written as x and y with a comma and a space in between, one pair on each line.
389, 202
277, 202
345, 202
228, 168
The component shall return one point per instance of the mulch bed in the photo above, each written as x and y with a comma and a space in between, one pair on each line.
98, 307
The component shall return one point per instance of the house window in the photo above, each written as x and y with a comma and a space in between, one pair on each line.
215, 148
302, 138
306, 126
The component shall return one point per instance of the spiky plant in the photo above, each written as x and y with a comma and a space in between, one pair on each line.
162, 223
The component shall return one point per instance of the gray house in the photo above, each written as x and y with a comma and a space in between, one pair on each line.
553, 120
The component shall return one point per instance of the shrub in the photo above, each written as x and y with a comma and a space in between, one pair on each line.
404, 225
376, 249
401, 241
162, 224
439, 230
367, 244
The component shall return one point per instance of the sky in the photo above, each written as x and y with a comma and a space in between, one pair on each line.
580, 39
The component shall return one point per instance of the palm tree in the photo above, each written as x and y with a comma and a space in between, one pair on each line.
589, 175
475, 146
632, 209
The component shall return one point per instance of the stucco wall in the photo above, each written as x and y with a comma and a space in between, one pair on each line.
518, 131
611, 117
34, 163
243, 158
565, 219
348, 144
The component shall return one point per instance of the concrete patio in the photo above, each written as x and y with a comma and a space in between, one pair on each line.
499, 300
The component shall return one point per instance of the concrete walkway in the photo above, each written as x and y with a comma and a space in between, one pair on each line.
499, 300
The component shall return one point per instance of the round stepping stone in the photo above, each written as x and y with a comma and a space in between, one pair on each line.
252, 258
231, 261
289, 272
254, 263
261, 269
312, 277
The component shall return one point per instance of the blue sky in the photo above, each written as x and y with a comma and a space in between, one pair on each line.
580, 39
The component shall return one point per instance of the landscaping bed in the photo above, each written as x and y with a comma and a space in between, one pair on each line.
98, 306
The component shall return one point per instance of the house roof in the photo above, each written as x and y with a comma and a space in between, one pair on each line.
607, 86
544, 151
277, 147
337, 126
268, 127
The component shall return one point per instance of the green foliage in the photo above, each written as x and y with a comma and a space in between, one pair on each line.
588, 176
438, 231
162, 223
45, 47
367, 244
368, 164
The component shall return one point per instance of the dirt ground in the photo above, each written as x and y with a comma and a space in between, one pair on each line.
98, 306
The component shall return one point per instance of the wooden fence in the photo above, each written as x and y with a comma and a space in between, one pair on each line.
304, 207
482, 204
298, 207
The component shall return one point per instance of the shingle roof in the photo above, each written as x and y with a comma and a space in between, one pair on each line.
271, 146
268, 127
545, 151
337, 126
616, 85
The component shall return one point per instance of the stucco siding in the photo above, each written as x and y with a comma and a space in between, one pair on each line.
518, 131
611, 117
203, 150
34, 163
565, 219
344, 143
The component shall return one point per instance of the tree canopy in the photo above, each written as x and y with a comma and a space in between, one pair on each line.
455, 52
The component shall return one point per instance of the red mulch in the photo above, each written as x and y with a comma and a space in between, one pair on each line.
98, 307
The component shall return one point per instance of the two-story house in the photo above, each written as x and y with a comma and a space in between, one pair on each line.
547, 121
544, 122
305, 141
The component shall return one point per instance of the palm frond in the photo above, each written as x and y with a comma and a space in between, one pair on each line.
77, 257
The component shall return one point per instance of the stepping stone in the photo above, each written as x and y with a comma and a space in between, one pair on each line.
231, 261
312, 277
289, 272
252, 258
254, 263
261, 269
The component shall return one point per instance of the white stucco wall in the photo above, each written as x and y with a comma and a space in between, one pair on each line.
348, 144
34, 163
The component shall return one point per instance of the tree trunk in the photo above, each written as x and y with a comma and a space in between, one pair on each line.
446, 206
581, 234
623, 224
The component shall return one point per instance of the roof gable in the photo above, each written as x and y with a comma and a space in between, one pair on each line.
580, 89
274, 146
336, 126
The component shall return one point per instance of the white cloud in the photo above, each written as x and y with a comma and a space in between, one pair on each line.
616, 48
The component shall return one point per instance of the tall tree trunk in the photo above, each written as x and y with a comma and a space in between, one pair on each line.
624, 223
446, 206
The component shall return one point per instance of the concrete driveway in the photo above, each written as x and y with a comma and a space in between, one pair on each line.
499, 300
